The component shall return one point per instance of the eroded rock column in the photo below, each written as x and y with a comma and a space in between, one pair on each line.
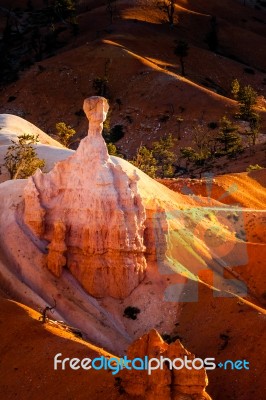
90, 213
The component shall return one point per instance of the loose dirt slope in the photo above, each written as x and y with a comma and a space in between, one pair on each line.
136, 55
27, 351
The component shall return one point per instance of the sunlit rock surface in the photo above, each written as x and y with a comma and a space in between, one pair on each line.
91, 214
166, 383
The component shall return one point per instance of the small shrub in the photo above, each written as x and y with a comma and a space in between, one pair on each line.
253, 168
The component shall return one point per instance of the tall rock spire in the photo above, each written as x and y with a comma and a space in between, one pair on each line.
90, 214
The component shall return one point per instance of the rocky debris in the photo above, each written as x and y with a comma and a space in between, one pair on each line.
163, 384
90, 213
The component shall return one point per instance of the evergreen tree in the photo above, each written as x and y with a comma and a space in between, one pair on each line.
188, 154
254, 128
228, 138
145, 161
64, 133
235, 87
21, 159
200, 155
165, 157
246, 97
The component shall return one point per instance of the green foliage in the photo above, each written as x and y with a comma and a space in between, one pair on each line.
254, 128
159, 160
228, 138
145, 161
253, 168
162, 152
246, 97
32, 34
21, 159
188, 153
201, 153
113, 151
235, 87
111, 136
64, 133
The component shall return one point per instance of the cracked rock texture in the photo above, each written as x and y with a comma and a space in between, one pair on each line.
89, 215
165, 384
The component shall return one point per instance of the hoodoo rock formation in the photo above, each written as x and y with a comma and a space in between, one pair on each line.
166, 383
88, 215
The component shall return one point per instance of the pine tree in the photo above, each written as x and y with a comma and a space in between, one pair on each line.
165, 157
235, 87
64, 133
254, 128
246, 97
228, 138
21, 159
145, 161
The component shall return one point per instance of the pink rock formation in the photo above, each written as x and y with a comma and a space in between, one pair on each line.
163, 384
89, 212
